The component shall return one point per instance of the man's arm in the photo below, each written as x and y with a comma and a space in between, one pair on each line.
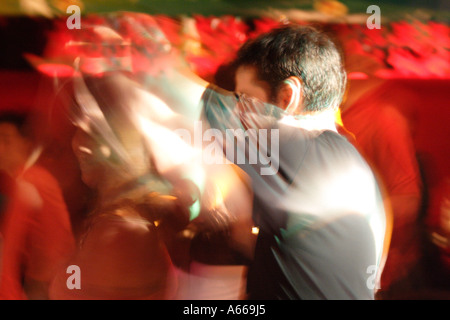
180, 89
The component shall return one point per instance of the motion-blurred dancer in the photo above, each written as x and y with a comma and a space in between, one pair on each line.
36, 227
124, 250
317, 204
127, 140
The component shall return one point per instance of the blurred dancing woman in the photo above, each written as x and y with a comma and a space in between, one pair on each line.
123, 253
153, 194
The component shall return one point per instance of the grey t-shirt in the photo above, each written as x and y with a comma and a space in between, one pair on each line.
316, 202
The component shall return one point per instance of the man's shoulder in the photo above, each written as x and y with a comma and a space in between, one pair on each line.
289, 135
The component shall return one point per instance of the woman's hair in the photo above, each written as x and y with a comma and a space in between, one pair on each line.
107, 110
301, 51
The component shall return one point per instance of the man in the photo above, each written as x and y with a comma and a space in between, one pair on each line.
316, 202
37, 235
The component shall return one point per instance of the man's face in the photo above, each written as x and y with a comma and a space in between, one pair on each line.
14, 148
247, 82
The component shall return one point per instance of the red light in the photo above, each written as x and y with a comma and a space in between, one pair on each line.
55, 70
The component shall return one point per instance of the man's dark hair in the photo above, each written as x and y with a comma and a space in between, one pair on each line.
301, 51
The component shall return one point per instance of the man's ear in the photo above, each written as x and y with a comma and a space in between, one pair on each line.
290, 95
